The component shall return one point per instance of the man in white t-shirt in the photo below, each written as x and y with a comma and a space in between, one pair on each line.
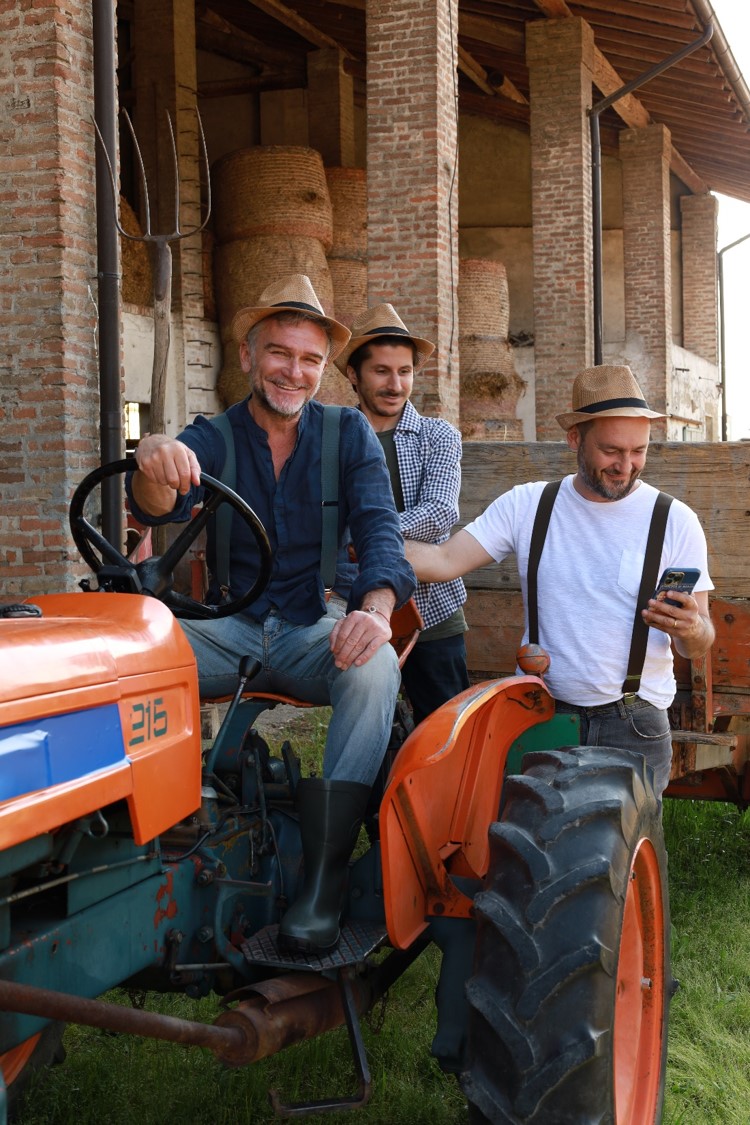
590, 568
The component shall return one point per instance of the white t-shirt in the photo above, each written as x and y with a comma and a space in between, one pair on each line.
588, 581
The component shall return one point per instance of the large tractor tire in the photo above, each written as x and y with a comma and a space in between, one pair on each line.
21, 1063
570, 994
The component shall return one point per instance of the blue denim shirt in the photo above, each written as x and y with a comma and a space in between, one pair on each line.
291, 511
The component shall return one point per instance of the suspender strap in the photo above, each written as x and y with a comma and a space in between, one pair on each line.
228, 476
329, 490
538, 535
649, 578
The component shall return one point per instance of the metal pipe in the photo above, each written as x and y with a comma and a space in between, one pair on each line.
596, 176
722, 339
110, 402
225, 1042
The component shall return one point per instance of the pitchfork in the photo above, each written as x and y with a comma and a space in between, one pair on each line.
163, 273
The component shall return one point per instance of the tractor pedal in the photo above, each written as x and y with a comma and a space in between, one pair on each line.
358, 940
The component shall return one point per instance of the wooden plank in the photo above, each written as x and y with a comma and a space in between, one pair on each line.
712, 478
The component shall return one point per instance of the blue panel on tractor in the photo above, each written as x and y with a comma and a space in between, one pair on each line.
49, 751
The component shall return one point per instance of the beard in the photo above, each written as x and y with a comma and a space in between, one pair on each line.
278, 404
595, 480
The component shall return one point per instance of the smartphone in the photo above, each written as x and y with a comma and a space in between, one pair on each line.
675, 579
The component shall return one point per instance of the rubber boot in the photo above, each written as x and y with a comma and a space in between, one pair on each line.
330, 815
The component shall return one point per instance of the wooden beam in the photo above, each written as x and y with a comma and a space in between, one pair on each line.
473, 70
297, 24
219, 36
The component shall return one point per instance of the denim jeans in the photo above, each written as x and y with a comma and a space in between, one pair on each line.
297, 661
434, 672
628, 724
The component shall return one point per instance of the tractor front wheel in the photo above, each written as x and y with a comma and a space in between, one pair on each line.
570, 994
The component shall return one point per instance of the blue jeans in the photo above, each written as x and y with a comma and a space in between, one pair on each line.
434, 672
630, 723
297, 661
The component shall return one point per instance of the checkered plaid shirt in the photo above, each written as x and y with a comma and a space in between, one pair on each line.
429, 462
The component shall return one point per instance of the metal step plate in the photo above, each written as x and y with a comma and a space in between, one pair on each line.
358, 940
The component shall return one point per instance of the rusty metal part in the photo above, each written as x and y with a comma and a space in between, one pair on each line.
227, 1043
289, 1009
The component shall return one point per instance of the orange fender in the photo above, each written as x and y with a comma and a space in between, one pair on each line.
442, 795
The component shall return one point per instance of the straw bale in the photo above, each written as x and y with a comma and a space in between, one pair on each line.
485, 353
137, 274
272, 189
483, 302
347, 188
244, 268
349, 279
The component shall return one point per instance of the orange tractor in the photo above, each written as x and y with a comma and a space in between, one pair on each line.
132, 855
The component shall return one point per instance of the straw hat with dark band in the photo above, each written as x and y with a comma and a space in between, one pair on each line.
382, 320
294, 293
606, 392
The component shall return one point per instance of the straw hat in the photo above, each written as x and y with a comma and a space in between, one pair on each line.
606, 392
294, 293
382, 320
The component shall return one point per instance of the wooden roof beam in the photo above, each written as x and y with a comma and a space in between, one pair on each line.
298, 24
473, 70
628, 109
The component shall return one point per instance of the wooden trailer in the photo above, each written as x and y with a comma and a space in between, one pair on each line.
711, 712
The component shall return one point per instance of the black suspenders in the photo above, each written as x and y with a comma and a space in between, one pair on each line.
649, 576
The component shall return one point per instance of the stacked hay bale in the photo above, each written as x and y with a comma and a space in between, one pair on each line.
137, 274
347, 261
273, 217
490, 386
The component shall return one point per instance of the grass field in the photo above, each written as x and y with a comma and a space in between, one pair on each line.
111, 1079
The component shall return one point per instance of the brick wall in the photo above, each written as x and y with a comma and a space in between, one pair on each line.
700, 275
560, 55
412, 181
646, 155
48, 363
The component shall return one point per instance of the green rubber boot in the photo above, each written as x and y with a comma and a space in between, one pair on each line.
330, 815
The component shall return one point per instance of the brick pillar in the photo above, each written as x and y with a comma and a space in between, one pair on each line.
49, 405
645, 154
412, 181
330, 101
700, 280
560, 56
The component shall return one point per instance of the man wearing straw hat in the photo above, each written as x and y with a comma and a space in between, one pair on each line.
590, 569
306, 649
424, 460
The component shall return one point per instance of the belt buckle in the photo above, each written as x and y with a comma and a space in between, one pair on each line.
629, 698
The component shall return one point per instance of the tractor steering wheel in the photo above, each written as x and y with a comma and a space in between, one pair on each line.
155, 576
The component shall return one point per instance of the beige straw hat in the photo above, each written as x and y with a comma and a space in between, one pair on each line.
294, 293
607, 391
382, 320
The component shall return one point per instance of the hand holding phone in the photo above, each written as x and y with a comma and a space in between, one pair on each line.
674, 579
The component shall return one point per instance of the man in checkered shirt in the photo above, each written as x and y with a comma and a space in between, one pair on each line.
424, 460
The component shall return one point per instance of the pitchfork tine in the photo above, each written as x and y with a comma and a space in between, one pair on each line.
144, 182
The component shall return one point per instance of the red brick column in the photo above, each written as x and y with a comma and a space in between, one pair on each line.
560, 56
49, 407
645, 155
700, 275
412, 181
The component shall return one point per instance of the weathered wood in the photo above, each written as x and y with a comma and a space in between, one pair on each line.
712, 478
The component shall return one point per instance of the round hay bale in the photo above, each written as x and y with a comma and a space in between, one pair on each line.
485, 353
232, 384
484, 308
272, 189
243, 269
347, 188
137, 274
349, 279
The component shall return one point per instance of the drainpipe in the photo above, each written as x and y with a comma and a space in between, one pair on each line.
110, 404
722, 342
596, 171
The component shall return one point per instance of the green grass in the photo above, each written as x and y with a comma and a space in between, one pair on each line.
121, 1080
708, 1076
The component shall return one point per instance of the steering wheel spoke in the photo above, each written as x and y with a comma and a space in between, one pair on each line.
156, 573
